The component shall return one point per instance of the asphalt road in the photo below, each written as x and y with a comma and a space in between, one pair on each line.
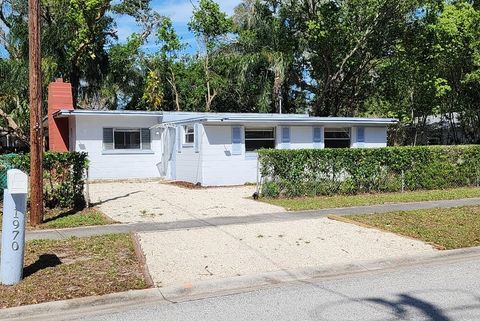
446, 291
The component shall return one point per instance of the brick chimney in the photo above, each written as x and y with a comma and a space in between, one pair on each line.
59, 97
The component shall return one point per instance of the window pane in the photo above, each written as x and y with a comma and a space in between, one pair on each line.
338, 134
133, 140
189, 134
259, 138
263, 133
338, 143
189, 138
119, 140
127, 139
253, 145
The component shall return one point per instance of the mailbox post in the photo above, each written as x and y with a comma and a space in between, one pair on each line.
13, 234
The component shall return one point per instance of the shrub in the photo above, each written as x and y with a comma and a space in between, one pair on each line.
63, 176
350, 171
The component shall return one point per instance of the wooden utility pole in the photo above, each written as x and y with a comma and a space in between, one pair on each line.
36, 132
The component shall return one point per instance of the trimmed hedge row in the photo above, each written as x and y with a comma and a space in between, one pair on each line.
63, 176
293, 173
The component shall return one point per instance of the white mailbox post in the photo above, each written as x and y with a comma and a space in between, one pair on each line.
13, 234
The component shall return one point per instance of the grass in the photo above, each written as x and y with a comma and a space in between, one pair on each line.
321, 202
69, 218
449, 228
73, 268
58, 218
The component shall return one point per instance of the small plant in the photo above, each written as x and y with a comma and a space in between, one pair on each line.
63, 176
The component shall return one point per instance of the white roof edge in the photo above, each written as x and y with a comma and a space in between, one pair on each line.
309, 120
79, 112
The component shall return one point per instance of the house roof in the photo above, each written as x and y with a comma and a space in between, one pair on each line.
239, 119
175, 118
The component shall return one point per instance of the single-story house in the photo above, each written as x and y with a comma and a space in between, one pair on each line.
208, 148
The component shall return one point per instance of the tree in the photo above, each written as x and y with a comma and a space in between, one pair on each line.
342, 42
209, 25
76, 35
169, 54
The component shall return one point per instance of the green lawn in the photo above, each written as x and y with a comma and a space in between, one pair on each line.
448, 228
320, 202
68, 218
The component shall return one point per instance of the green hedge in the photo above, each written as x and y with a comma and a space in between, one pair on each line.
293, 173
63, 176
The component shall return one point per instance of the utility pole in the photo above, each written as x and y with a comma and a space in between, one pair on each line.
36, 132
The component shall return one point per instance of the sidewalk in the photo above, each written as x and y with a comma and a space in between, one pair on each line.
242, 220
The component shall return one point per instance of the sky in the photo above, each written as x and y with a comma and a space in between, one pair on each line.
180, 11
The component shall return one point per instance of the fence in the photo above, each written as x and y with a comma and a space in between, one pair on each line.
293, 173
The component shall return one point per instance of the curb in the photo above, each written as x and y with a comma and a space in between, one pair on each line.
205, 289
193, 291
142, 259
81, 306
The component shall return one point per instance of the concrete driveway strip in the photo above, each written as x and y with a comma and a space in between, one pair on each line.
244, 220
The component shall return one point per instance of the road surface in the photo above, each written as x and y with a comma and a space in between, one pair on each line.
445, 291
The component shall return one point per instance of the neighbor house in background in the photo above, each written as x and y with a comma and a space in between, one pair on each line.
207, 148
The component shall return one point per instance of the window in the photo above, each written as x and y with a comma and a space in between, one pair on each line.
189, 132
257, 138
126, 139
337, 137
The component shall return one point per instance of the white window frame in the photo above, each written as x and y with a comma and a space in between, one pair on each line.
252, 129
186, 134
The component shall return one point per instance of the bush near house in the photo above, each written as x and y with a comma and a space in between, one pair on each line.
294, 173
63, 176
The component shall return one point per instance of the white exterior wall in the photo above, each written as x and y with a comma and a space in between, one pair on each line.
220, 167
188, 162
89, 138
301, 137
213, 165
375, 137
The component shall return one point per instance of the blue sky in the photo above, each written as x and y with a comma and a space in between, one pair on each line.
180, 11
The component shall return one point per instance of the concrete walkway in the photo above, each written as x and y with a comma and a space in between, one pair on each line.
236, 220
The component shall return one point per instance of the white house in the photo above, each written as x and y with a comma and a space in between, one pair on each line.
206, 148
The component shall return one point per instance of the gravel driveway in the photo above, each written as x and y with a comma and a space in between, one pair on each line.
156, 201
201, 254
187, 257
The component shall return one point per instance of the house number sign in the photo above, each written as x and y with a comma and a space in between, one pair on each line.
13, 233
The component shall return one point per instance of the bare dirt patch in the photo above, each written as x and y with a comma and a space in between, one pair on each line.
78, 267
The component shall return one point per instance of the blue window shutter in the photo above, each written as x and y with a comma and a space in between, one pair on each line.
179, 138
360, 134
286, 137
317, 135
198, 136
236, 141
